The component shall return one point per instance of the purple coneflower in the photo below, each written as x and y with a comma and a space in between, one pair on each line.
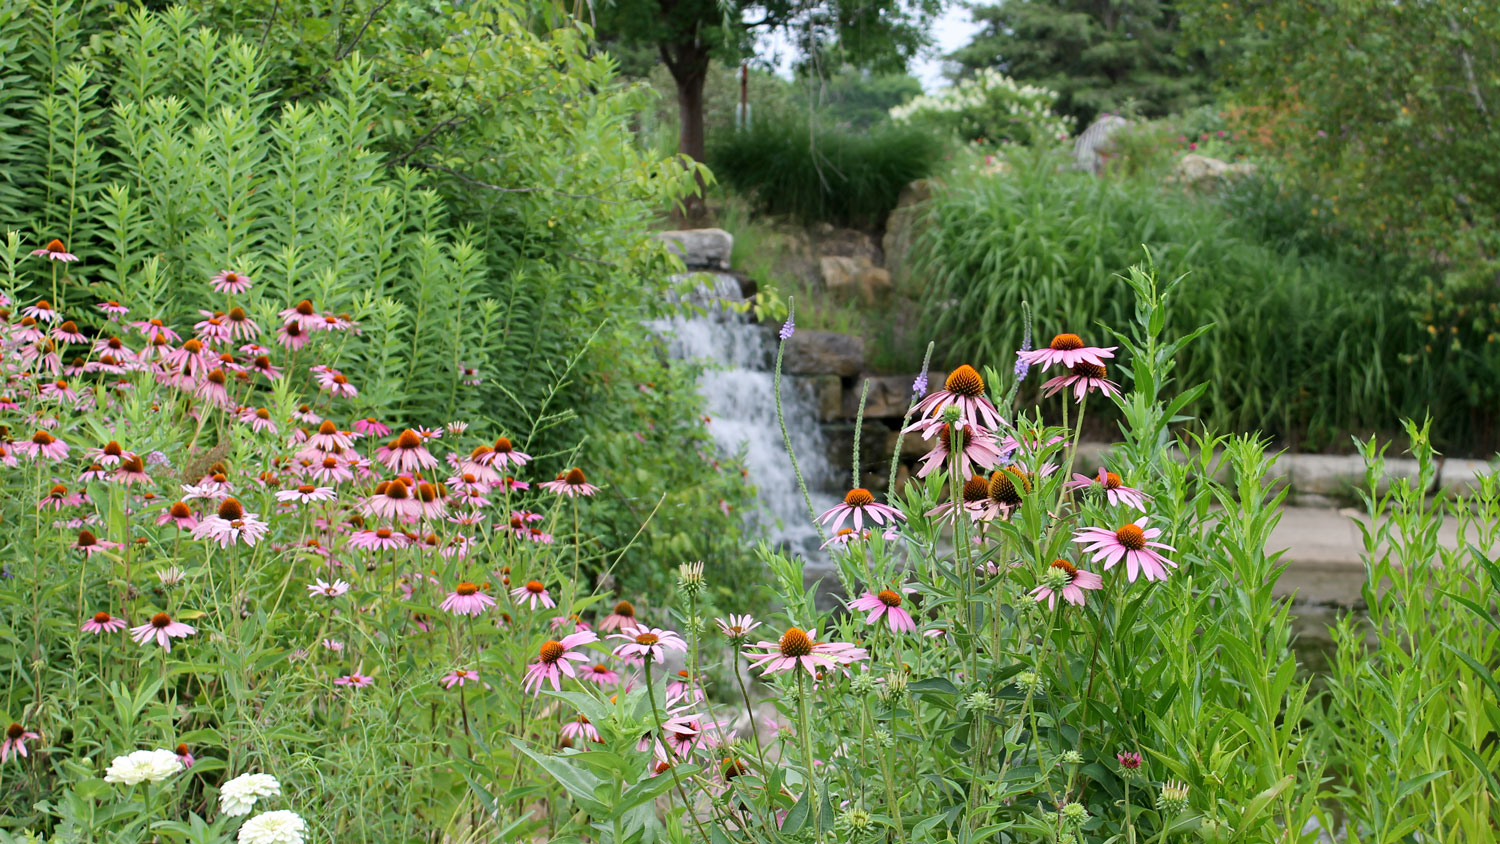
886, 602
642, 642
103, 622
580, 728
964, 389
42, 444
406, 453
601, 675
16, 737
55, 251
459, 677
979, 448
532, 592
355, 680
1065, 579
231, 524
504, 453
1115, 490
328, 590
1067, 350
1085, 378
555, 659
305, 494
860, 503
467, 599
163, 629
623, 616
797, 648
737, 628
229, 281
89, 545
571, 483
379, 539
1134, 543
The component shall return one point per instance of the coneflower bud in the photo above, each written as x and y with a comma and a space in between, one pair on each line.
884, 739
863, 684
854, 820
979, 702
1072, 757
690, 577
1029, 682
1174, 797
895, 683
951, 414
1075, 814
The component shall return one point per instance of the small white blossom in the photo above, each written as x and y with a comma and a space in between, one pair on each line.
278, 827
143, 766
239, 795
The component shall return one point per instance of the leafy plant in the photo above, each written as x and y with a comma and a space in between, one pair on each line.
991, 108
1311, 340
790, 166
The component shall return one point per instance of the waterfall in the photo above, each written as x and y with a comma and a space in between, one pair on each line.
736, 386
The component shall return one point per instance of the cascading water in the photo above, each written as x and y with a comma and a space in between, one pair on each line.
736, 386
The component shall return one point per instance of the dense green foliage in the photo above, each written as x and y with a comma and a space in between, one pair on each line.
1388, 109
478, 202
812, 172
1313, 334
1099, 55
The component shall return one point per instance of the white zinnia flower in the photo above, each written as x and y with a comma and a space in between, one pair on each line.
238, 796
143, 766
278, 827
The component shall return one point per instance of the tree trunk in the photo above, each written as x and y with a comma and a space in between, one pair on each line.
689, 65
690, 108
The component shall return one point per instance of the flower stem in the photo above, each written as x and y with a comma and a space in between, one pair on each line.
671, 768
781, 420
807, 754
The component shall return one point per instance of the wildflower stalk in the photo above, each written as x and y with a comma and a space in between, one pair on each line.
906, 419
859, 426
781, 420
807, 754
687, 805
892, 804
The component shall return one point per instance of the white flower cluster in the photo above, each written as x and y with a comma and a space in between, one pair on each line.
990, 106
278, 827
143, 766
239, 795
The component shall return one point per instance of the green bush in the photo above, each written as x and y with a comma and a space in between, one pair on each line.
789, 166
1314, 336
468, 191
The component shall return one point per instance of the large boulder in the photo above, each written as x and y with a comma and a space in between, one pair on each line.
1092, 147
700, 249
900, 230
824, 353
1201, 171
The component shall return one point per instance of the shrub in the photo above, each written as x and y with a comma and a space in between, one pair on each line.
466, 221
787, 165
1309, 343
990, 107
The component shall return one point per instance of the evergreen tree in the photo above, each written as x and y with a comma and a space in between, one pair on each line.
1099, 55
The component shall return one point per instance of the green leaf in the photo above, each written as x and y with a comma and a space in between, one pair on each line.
1408, 786
578, 782
648, 790
1259, 802
797, 817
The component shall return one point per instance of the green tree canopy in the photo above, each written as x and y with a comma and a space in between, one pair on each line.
1386, 109
1099, 55
690, 35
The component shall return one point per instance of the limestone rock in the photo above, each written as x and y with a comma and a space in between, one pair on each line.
824, 353
852, 278
828, 394
1200, 171
900, 230
890, 396
700, 249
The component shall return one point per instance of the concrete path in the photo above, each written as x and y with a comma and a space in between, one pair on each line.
1323, 551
